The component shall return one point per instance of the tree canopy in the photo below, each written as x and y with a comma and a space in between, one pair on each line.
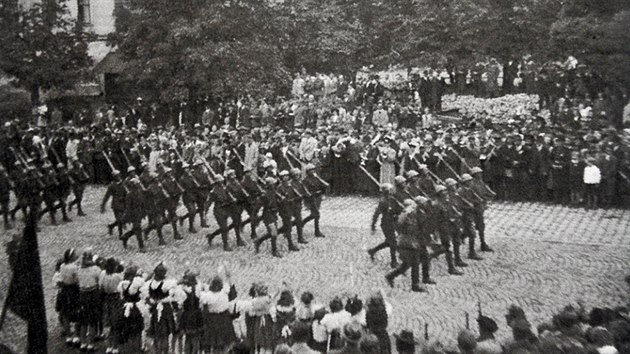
191, 47
42, 46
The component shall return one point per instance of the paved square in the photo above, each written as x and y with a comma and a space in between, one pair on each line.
546, 257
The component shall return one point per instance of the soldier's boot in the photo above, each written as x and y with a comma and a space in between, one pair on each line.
482, 240
458, 258
64, 214
224, 238
259, 241
53, 218
5, 218
125, 237
202, 220
70, 204
253, 225
472, 254
161, 241
274, 247
110, 227
292, 246
372, 251
182, 218
426, 268
389, 278
191, 224
300, 234
138, 234
211, 237
449, 262
13, 211
80, 209
392, 254
318, 232
176, 234
415, 281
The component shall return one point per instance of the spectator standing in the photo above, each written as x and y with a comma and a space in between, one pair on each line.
592, 179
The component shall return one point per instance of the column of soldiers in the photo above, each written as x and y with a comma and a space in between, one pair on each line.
424, 216
37, 179
202, 186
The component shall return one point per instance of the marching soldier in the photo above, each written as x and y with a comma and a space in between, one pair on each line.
253, 203
296, 211
80, 177
290, 196
313, 202
190, 186
271, 203
201, 191
117, 191
134, 213
174, 190
49, 194
462, 220
63, 190
389, 209
412, 240
223, 203
485, 193
156, 200
446, 217
236, 190
473, 201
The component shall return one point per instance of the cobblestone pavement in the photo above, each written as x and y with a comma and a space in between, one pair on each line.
546, 257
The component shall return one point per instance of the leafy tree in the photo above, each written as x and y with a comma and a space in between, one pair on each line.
42, 46
192, 48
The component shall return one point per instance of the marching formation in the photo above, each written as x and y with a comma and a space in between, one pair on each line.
422, 212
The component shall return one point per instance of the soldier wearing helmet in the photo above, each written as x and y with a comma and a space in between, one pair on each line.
80, 178
447, 218
388, 209
224, 202
253, 203
134, 212
271, 203
291, 196
296, 211
316, 186
479, 187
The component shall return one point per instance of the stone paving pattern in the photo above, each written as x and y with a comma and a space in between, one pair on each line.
546, 257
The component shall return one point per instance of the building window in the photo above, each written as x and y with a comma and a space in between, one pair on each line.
84, 15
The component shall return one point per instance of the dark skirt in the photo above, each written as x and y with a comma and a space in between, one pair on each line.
260, 331
111, 305
126, 328
67, 300
90, 307
166, 324
191, 320
218, 331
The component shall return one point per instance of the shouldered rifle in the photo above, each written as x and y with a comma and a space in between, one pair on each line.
195, 182
111, 166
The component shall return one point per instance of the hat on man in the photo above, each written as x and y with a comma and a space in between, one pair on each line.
440, 188
131, 169
270, 181
283, 173
450, 182
412, 174
466, 177
400, 180
475, 170
309, 167
421, 200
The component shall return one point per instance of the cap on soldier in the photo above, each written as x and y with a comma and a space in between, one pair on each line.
283, 173
247, 169
476, 170
197, 163
450, 182
131, 169
423, 167
309, 167
185, 165
167, 169
295, 171
387, 187
420, 199
217, 179
440, 188
408, 202
412, 174
60, 165
466, 177
270, 181
153, 175
230, 173
400, 180
115, 173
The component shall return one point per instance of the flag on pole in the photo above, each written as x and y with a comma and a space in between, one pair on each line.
25, 297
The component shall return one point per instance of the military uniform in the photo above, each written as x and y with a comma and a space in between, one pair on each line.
5, 192
118, 192
155, 201
80, 177
63, 190
290, 197
485, 193
271, 204
253, 203
189, 184
388, 209
447, 226
49, 193
174, 191
296, 211
224, 202
201, 192
313, 202
134, 213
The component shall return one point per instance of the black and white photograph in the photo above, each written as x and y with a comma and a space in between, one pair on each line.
315, 176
